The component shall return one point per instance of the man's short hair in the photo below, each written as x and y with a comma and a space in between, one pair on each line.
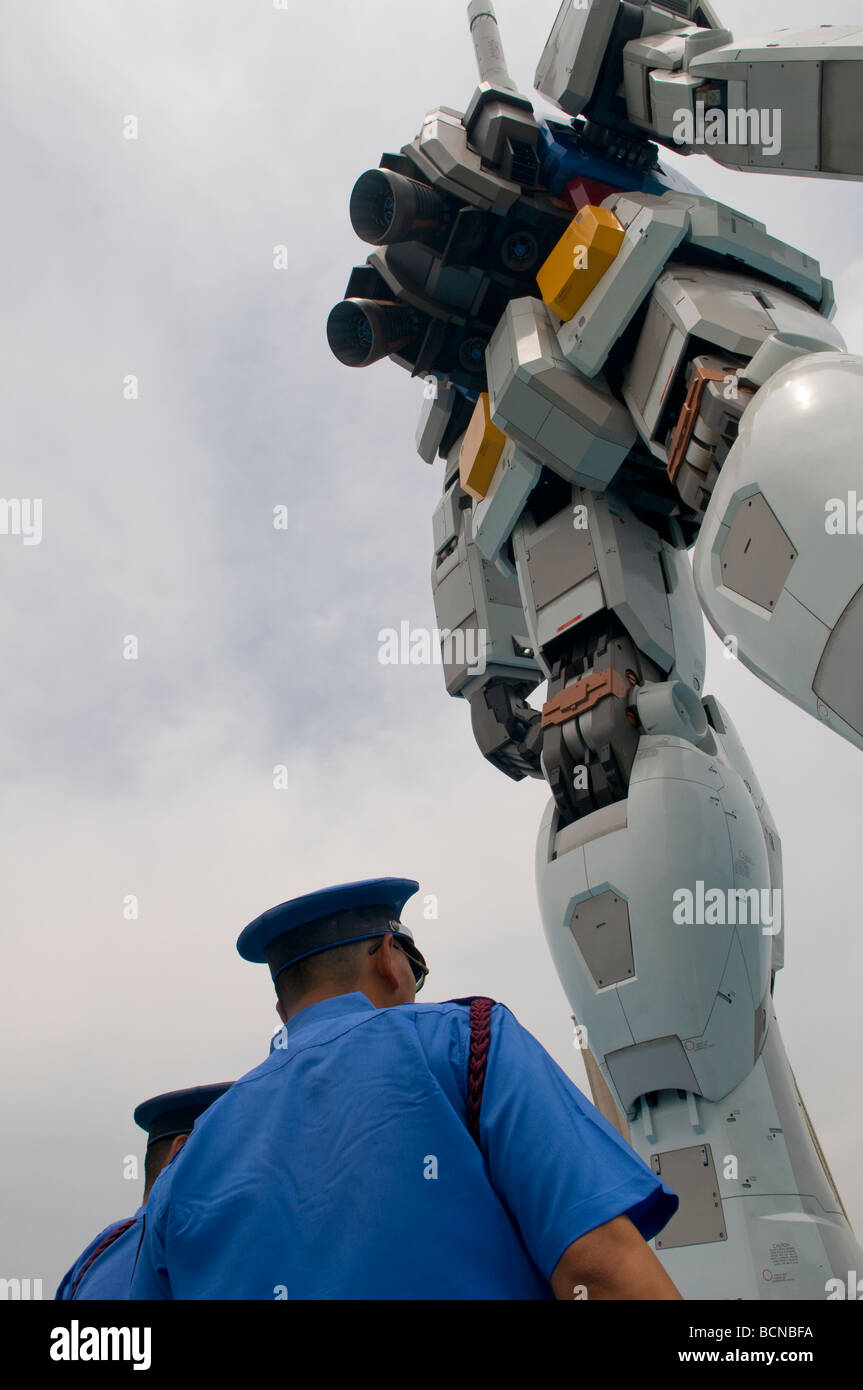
155, 1159
339, 965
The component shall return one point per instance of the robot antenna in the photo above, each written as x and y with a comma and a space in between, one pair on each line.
490, 57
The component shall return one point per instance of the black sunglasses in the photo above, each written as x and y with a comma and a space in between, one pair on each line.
419, 968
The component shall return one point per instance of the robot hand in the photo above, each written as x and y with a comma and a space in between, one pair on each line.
783, 103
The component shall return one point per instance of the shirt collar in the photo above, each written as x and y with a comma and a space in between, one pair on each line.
327, 1010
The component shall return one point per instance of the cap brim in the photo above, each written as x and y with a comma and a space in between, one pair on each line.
390, 893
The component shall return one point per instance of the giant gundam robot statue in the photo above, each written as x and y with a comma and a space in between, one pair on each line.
619, 369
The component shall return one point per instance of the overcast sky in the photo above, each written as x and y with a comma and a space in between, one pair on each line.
153, 258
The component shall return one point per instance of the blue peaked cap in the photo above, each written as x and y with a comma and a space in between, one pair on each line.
329, 917
175, 1112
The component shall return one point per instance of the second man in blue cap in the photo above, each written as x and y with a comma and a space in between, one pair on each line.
104, 1269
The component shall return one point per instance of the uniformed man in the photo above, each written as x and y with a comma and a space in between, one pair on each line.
344, 1166
104, 1270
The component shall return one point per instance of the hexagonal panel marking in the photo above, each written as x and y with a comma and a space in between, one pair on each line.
758, 556
600, 927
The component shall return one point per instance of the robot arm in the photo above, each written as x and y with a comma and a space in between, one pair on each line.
486, 652
782, 103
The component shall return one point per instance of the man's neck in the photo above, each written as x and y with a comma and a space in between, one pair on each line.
317, 996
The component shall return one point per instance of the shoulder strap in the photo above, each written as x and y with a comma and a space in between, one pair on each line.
100, 1250
480, 1041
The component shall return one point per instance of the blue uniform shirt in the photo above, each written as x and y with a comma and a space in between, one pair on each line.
342, 1168
110, 1274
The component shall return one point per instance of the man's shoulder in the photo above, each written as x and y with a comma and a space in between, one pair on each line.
64, 1289
460, 1007
439, 1021
452, 1012
448, 1014
111, 1230
452, 1020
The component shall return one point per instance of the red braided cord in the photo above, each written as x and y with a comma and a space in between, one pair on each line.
480, 1041
100, 1250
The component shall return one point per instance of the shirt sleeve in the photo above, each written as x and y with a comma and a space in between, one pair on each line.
556, 1162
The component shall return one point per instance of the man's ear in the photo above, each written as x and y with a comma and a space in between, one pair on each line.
382, 961
176, 1144
280, 1010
